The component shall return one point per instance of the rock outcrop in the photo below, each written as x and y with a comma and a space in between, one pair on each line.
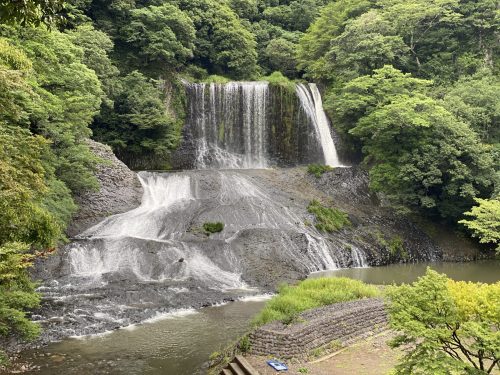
120, 191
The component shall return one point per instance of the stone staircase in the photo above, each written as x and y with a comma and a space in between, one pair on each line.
239, 366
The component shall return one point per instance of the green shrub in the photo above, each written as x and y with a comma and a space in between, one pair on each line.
210, 228
328, 219
318, 170
309, 294
278, 79
244, 344
395, 245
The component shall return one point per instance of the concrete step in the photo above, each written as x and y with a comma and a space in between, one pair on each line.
236, 369
247, 368
226, 372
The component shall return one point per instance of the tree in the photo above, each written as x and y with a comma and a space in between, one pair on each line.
485, 221
446, 326
17, 293
474, 100
97, 46
139, 126
163, 35
316, 42
245, 8
30, 12
415, 19
368, 42
419, 154
23, 188
67, 97
280, 55
223, 45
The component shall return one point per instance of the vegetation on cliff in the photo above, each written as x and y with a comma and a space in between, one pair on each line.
328, 219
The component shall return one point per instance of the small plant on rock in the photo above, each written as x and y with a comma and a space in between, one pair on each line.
211, 228
244, 344
328, 219
318, 170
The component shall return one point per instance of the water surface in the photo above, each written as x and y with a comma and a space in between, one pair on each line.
487, 271
177, 345
181, 343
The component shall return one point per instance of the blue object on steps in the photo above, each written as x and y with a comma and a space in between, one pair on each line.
277, 365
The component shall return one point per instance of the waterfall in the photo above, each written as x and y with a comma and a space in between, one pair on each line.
229, 122
358, 257
312, 104
256, 125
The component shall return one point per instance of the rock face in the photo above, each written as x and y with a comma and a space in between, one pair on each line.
128, 268
341, 322
120, 191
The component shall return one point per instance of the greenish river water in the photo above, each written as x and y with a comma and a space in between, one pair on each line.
179, 344
487, 271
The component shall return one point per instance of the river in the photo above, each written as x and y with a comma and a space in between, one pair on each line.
181, 343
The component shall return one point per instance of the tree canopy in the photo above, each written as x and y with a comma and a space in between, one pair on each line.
446, 326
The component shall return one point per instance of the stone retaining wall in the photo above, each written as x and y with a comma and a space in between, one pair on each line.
342, 322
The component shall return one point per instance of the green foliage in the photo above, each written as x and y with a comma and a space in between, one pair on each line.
211, 228
485, 221
445, 326
309, 294
216, 79
280, 55
221, 39
278, 79
30, 12
66, 96
328, 219
162, 35
97, 46
367, 43
315, 44
245, 345
420, 155
474, 100
139, 124
23, 189
17, 292
318, 170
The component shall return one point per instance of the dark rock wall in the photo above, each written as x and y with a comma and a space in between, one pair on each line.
120, 191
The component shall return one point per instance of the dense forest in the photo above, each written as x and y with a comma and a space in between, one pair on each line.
410, 85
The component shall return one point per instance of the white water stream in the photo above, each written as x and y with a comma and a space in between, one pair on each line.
310, 99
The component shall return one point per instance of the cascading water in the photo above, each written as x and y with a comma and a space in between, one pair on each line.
229, 121
312, 104
255, 125
157, 257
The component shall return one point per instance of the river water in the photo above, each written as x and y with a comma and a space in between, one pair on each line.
487, 271
180, 343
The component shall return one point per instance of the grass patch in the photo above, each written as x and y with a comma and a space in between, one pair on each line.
210, 228
318, 170
278, 79
328, 219
309, 294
